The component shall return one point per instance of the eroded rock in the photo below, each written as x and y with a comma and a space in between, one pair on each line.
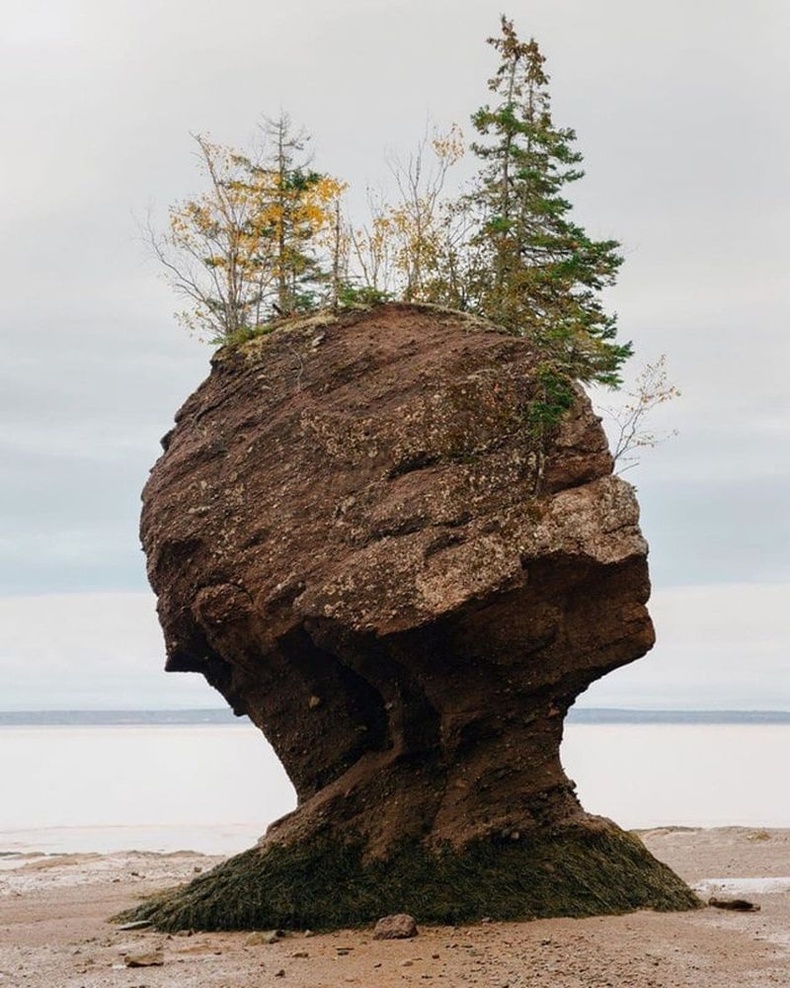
146, 958
399, 926
355, 537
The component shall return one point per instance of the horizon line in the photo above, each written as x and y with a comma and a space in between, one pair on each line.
106, 716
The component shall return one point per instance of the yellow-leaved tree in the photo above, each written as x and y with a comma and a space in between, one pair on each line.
254, 244
402, 251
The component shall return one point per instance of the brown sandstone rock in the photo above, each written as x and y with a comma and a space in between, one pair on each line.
350, 539
399, 926
148, 958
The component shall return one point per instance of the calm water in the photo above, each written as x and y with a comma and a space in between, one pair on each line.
695, 775
214, 787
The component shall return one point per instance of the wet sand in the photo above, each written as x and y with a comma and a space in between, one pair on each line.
54, 931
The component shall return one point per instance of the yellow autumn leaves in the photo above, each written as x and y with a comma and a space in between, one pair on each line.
270, 235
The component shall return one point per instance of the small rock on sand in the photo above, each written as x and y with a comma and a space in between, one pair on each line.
261, 936
400, 926
152, 958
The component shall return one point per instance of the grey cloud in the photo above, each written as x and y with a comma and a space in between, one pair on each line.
736, 532
719, 647
678, 111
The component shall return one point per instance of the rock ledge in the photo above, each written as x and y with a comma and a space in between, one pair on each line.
354, 537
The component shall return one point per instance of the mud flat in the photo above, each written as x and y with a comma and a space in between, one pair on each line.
54, 931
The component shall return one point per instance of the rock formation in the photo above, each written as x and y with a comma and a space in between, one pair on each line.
355, 537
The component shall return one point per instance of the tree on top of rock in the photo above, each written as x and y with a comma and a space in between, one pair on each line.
269, 237
252, 246
536, 272
299, 206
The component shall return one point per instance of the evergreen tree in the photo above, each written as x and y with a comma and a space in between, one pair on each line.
253, 245
536, 272
296, 198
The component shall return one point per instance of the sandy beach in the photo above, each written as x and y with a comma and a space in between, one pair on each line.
54, 931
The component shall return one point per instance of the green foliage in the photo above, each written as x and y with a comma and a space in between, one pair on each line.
269, 238
322, 884
554, 397
350, 295
536, 272
295, 215
243, 335
254, 244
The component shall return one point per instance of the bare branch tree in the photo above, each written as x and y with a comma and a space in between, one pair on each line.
416, 223
630, 431
251, 244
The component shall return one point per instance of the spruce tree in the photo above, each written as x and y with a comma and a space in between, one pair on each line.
253, 246
294, 212
537, 273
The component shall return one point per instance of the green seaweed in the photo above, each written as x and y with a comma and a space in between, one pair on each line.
324, 884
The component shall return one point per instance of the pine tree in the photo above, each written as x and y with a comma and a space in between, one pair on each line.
253, 245
296, 199
537, 272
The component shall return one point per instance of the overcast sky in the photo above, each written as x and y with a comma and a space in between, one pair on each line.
680, 111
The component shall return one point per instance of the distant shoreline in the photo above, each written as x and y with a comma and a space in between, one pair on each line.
613, 715
117, 718
220, 716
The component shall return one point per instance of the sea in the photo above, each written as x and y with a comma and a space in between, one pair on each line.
201, 780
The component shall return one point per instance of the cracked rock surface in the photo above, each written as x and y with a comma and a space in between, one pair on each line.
353, 538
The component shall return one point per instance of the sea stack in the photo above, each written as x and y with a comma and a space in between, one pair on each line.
358, 536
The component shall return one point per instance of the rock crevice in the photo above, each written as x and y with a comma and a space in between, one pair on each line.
344, 537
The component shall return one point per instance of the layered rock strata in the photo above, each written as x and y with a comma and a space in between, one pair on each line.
358, 536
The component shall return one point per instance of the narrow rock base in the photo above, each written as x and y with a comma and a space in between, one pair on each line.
324, 885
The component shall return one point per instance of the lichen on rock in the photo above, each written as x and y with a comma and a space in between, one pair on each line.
353, 536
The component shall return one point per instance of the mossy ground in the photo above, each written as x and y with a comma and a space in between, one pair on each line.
326, 885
